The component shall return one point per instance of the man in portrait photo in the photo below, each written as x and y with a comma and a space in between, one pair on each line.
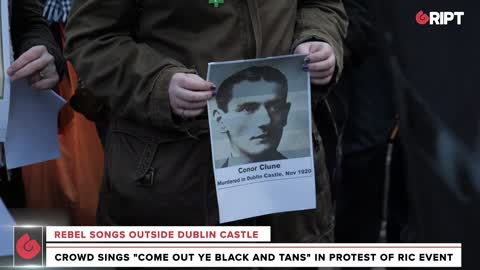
252, 113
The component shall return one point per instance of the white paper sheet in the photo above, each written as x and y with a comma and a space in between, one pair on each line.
6, 231
257, 116
32, 127
5, 58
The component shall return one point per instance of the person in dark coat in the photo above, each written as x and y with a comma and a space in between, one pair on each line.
37, 59
361, 189
37, 56
436, 81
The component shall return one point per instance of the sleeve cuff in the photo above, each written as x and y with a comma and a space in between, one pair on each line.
160, 110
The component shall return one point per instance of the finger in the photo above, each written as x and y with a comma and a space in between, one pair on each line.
322, 74
31, 68
190, 105
317, 46
320, 55
49, 71
192, 113
302, 49
45, 84
29, 56
193, 82
322, 81
192, 96
34, 78
322, 65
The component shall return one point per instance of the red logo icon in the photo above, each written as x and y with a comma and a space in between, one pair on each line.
422, 18
26, 248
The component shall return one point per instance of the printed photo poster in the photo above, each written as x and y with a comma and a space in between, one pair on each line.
260, 128
5, 58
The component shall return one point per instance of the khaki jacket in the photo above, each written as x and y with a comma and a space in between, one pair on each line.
126, 52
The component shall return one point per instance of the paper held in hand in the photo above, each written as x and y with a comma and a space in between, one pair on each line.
5, 58
260, 128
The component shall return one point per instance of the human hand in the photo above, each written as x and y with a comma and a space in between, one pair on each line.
189, 94
320, 61
36, 65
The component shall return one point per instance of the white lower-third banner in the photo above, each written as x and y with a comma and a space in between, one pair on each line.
252, 255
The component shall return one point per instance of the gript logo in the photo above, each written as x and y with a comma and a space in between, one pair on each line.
422, 18
28, 243
27, 248
440, 18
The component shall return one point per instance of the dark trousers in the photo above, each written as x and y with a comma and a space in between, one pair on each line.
360, 197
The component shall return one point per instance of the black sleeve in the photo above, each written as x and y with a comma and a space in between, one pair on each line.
360, 41
29, 28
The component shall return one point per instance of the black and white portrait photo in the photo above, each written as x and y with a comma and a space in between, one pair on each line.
260, 112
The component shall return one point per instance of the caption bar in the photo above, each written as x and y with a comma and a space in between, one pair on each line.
158, 234
251, 255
